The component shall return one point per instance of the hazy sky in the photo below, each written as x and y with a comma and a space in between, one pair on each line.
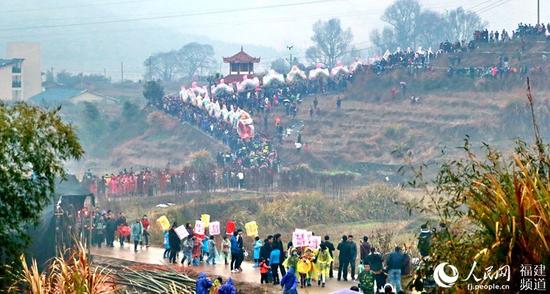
292, 25
282, 23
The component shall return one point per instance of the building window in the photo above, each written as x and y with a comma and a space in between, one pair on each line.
16, 94
244, 67
16, 81
16, 68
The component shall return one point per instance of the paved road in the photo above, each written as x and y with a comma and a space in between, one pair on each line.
153, 255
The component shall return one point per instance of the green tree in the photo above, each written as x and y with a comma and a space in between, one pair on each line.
129, 110
35, 143
331, 42
153, 92
90, 111
203, 165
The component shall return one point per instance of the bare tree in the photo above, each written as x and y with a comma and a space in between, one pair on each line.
412, 26
195, 58
161, 66
461, 24
431, 29
403, 17
331, 42
384, 40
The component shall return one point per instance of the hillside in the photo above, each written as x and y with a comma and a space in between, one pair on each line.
120, 134
374, 131
373, 134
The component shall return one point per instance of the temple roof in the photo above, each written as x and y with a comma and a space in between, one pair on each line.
242, 57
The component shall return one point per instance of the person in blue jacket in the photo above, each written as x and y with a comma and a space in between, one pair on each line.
204, 247
166, 246
234, 251
203, 284
289, 282
274, 261
227, 288
257, 246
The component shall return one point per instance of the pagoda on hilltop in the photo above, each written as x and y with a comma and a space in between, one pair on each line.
240, 64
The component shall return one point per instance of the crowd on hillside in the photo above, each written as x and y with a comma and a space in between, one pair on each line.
253, 153
421, 58
291, 267
155, 182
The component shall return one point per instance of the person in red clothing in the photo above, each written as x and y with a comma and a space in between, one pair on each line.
145, 224
264, 270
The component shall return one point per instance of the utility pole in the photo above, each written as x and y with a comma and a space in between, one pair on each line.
150, 72
105, 72
289, 47
538, 11
121, 72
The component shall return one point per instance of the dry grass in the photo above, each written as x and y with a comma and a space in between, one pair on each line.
72, 275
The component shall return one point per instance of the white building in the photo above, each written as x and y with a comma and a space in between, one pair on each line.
20, 71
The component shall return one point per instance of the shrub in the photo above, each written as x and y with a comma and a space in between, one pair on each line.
497, 208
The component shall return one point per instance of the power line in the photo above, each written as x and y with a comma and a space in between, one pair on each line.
75, 6
211, 24
216, 24
480, 4
221, 11
493, 6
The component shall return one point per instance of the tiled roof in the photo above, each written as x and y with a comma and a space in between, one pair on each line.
57, 95
241, 57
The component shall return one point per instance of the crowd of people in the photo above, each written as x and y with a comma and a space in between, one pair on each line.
155, 182
254, 153
108, 227
296, 267
421, 58
496, 71
522, 31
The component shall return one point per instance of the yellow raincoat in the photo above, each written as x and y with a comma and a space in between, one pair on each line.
304, 266
322, 266
310, 255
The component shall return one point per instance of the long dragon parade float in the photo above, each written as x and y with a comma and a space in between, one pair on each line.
212, 100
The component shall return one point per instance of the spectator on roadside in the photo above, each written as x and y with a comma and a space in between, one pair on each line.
394, 263
374, 260
136, 233
331, 249
353, 255
174, 243
343, 258
364, 249
145, 224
